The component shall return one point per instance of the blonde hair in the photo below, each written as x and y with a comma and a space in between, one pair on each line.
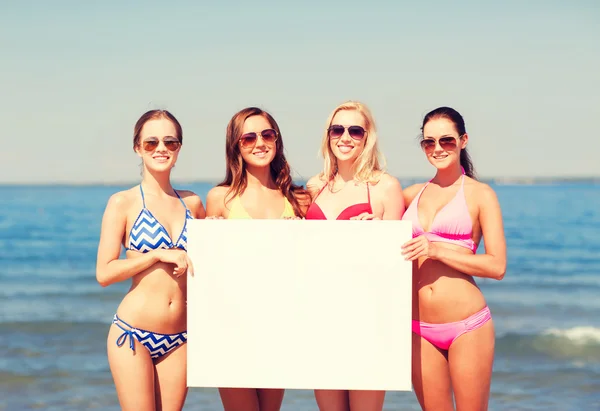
369, 166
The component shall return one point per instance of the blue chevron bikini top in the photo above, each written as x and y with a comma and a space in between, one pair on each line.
148, 234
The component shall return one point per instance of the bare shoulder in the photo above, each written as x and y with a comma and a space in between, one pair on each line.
314, 184
411, 192
387, 182
485, 193
481, 192
216, 194
122, 200
190, 198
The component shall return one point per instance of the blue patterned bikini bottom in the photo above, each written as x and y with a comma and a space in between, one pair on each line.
157, 344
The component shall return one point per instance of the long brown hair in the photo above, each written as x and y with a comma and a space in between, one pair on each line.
235, 176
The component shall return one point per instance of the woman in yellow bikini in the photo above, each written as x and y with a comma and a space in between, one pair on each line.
258, 185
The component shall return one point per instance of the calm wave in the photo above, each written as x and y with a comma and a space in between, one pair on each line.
54, 316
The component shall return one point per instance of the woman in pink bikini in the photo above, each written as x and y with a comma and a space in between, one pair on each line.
352, 185
453, 331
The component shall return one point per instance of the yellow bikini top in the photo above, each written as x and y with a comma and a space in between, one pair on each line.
237, 210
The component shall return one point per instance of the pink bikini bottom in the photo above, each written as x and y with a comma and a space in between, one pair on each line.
443, 335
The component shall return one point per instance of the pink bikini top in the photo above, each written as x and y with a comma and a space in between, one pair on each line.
452, 224
314, 212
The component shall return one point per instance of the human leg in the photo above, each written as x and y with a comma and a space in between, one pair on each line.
132, 371
171, 383
430, 375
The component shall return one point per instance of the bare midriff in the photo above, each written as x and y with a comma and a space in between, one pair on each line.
156, 301
442, 294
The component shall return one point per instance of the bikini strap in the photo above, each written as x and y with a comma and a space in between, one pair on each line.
320, 191
180, 199
418, 196
368, 194
143, 199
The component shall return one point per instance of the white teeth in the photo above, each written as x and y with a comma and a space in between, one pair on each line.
345, 149
260, 154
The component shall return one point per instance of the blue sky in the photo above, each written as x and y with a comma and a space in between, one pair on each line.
77, 75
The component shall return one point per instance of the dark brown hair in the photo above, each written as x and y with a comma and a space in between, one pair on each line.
459, 124
235, 176
154, 115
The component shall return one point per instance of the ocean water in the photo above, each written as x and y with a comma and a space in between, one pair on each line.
54, 316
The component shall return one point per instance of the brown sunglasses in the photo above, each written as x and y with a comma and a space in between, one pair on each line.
447, 143
171, 144
249, 139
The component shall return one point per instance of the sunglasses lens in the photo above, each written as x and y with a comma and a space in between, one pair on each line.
269, 135
248, 140
448, 143
336, 131
150, 145
172, 145
356, 132
428, 144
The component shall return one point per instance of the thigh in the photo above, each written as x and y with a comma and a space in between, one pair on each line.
471, 358
133, 372
171, 385
332, 400
366, 400
430, 375
239, 399
270, 399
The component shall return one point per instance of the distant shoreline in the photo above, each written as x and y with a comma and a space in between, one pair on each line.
405, 181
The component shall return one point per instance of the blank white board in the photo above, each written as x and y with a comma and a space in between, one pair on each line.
299, 304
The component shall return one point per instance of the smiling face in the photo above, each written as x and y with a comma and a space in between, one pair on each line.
258, 142
347, 146
442, 143
158, 145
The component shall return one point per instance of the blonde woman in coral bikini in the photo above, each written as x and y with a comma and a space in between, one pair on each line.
258, 185
352, 186
453, 331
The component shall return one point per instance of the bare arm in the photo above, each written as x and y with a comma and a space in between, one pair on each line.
492, 264
393, 199
215, 202
109, 268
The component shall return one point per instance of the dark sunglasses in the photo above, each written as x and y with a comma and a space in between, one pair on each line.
447, 143
172, 144
356, 132
249, 139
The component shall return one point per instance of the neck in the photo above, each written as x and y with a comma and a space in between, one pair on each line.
259, 177
345, 171
158, 183
448, 176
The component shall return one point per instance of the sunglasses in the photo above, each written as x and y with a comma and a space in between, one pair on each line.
172, 144
356, 132
268, 135
447, 143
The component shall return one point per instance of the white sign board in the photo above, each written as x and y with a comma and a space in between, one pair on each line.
299, 304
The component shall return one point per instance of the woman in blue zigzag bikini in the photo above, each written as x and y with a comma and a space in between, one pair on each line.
146, 342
